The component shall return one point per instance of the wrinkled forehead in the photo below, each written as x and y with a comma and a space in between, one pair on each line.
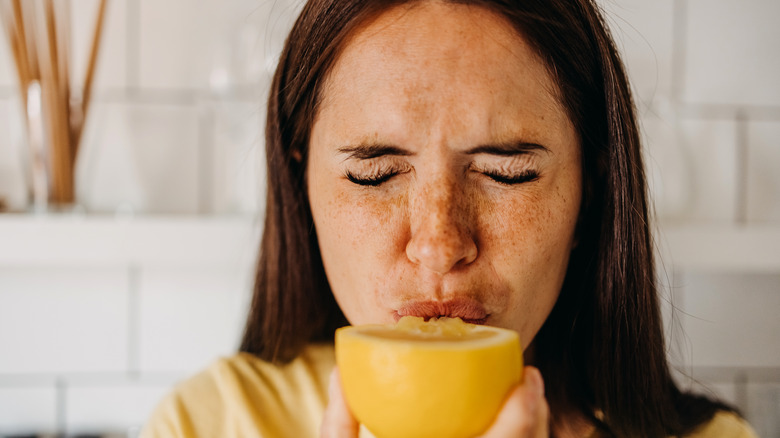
437, 61
462, 40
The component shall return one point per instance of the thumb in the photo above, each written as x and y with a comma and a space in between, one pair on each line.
338, 421
525, 412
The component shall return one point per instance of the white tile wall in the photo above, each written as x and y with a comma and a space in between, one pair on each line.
730, 320
238, 157
764, 408
667, 161
189, 317
28, 409
144, 157
194, 31
61, 320
113, 407
216, 44
763, 185
264, 31
731, 54
708, 178
643, 32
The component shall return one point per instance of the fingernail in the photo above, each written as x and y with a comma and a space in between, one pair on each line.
534, 378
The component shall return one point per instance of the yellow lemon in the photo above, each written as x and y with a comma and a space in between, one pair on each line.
442, 378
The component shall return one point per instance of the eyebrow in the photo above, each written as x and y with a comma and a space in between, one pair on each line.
507, 148
370, 150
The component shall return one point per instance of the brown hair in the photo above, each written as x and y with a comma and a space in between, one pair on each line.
602, 348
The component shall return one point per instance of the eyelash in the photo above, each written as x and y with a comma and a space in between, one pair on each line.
372, 180
509, 180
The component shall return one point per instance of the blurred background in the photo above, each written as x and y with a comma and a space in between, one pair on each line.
145, 278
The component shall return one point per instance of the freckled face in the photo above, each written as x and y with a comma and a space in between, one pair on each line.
443, 173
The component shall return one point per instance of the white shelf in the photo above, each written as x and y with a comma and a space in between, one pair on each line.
67, 240
750, 249
195, 240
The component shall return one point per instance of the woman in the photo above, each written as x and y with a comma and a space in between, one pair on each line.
476, 159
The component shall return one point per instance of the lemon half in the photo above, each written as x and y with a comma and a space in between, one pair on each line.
442, 378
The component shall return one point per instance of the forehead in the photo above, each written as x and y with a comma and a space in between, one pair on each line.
434, 55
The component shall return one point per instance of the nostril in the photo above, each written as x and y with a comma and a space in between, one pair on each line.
441, 252
441, 227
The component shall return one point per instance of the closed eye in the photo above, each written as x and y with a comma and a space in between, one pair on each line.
370, 180
513, 179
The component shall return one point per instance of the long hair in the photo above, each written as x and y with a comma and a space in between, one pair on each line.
602, 349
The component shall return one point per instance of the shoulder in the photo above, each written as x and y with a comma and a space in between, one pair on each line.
243, 391
725, 425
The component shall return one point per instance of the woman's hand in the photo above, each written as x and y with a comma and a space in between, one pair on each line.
525, 413
338, 421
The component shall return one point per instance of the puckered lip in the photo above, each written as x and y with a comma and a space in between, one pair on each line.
467, 309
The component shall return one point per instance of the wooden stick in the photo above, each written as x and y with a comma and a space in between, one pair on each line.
60, 150
64, 41
13, 42
65, 49
51, 35
21, 41
47, 116
32, 19
88, 79
47, 106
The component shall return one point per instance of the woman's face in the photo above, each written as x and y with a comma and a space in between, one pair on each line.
444, 175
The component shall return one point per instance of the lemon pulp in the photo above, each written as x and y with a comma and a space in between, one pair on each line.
443, 378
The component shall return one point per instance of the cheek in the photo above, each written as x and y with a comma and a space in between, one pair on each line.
528, 239
358, 233
359, 239
518, 228
358, 223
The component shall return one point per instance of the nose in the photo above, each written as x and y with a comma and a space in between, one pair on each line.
441, 233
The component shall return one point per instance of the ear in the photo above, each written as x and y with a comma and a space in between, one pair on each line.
297, 156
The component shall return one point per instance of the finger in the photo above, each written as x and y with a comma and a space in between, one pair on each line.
338, 421
525, 412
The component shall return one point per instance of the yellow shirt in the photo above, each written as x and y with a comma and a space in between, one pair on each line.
243, 396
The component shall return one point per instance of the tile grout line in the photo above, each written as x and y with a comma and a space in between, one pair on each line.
684, 352
741, 162
62, 408
87, 378
703, 110
168, 96
678, 312
741, 391
133, 321
752, 374
205, 156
